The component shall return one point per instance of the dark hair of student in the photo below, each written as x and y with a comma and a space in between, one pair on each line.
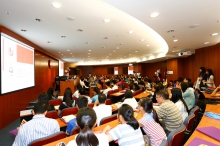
210, 73
188, 79
50, 93
147, 104
78, 86
163, 93
97, 90
202, 71
136, 87
190, 84
180, 79
86, 119
67, 98
108, 84
177, 95
184, 86
82, 91
128, 94
43, 97
82, 102
40, 107
131, 86
126, 111
102, 98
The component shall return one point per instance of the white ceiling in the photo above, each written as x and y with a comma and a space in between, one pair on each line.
125, 15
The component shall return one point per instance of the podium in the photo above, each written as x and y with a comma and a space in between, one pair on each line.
66, 84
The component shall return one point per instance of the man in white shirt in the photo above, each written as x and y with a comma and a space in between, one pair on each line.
82, 92
38, 127
114, 85
102, 110
108, 89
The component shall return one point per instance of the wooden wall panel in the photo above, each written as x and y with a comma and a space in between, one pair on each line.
12, 103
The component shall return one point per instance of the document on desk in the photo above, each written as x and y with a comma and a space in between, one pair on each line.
200, 142
66, 119
210, 131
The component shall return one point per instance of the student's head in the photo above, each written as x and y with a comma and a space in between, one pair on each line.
78, 86
102, 98
125, 113
107, 84
184, 86
43, 97
40, 108
96, 91
114, 82
209, 72
82, 91
202, 70
161, 96
50, 93
68, 90
190, 84
86, 120
145, 105
171, 83
128, 94
187, 80
81, 102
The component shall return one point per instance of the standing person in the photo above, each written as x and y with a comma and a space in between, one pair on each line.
86, 120
201, 77
128, 131
168, 112
38, 127
210, 79
188, 95
150, 122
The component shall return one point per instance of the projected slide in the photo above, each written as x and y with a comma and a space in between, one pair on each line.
61, 66
17, 65
130, 70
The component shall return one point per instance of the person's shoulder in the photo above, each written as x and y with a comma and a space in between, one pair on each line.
72, 143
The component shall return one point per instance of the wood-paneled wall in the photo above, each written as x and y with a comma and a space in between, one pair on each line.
12, 103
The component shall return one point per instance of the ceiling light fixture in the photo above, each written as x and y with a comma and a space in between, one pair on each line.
175, 40
58, 52
107, 20
129, 54
173, 51
194, 25
23, 30
70, 18
38, 20
90, 50
71, 53
79, 30
147, 45
88, 53
68, 50
131, 31
63, 36
142, 40
214, 34
49, 42
153, 15
7, 12
56, 5
136, 51
206, 43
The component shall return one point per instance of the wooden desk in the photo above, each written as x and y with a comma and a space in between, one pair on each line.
143, 94
61, 123
66, 84
96, 129
117, 94
205, 122
209, 97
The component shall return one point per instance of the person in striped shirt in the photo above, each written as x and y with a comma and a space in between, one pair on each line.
38, 127
150, 122
168, 112
128, 132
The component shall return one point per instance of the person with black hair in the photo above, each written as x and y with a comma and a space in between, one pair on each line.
187, 80
168, 112
76, 93
82, 92
188, 95
130, 100
38, 127
43, 97
210, 79
81, 102
155, 89
50, 93
96, 92
128, 131
202, 76
177, 99
150, 122
107, 89
114, 82
86, 120
101, 109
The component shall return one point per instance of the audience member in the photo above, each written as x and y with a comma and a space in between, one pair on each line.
76, 93
188, 95
107, 89
82, 92
43, 97
210, 79
114, 85
130, 100
96, 93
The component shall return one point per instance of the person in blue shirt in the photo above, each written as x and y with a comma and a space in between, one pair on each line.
96, 93
81, 102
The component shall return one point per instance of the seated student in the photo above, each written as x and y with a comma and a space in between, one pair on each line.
150, 122
177, 99
81, 102
96, 93
170, 84
129, 99
114, 85
43, 97
128, 131
168, 112
188, 95
155, 89
86, 120
82, 92
101, 109
136, 87
67, 100
76, 93
38, 127
107, 89
147, 84
216, 92
51, 94
187, 80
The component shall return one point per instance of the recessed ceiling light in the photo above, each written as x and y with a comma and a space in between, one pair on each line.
136, 51
63, 36
113, 50
153, 15
90, 50
144, 59
110, 54
107, 20
71, 53
173, 51
103, 46
7, 12
206, 43
61, 54
88, 56
129, 54
129, 48
49, 42
142, 40
147, 45
214, 34
70, 18
194, 25
117, 48
124, 56
175, 40
88, 53
58, 52
87, 42
68, 50
131, 31
56, 5
79, 30
38, 20
24, 30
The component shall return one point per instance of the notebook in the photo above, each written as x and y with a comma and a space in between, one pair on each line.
66, 119
200, 142
211, 131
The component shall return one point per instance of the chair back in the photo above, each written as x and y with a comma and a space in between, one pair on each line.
52, 114
108, 119
126, 85
90, 105
74, 98
135, 93
48, 139
189, 121
195, 110
109, 93
69, 111
75, 130
108, 102
175, 138
55, 102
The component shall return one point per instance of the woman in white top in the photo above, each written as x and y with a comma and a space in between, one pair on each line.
130, 100
210, 79
177, 99
86, 120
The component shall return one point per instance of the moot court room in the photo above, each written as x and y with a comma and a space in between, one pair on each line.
110, 73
